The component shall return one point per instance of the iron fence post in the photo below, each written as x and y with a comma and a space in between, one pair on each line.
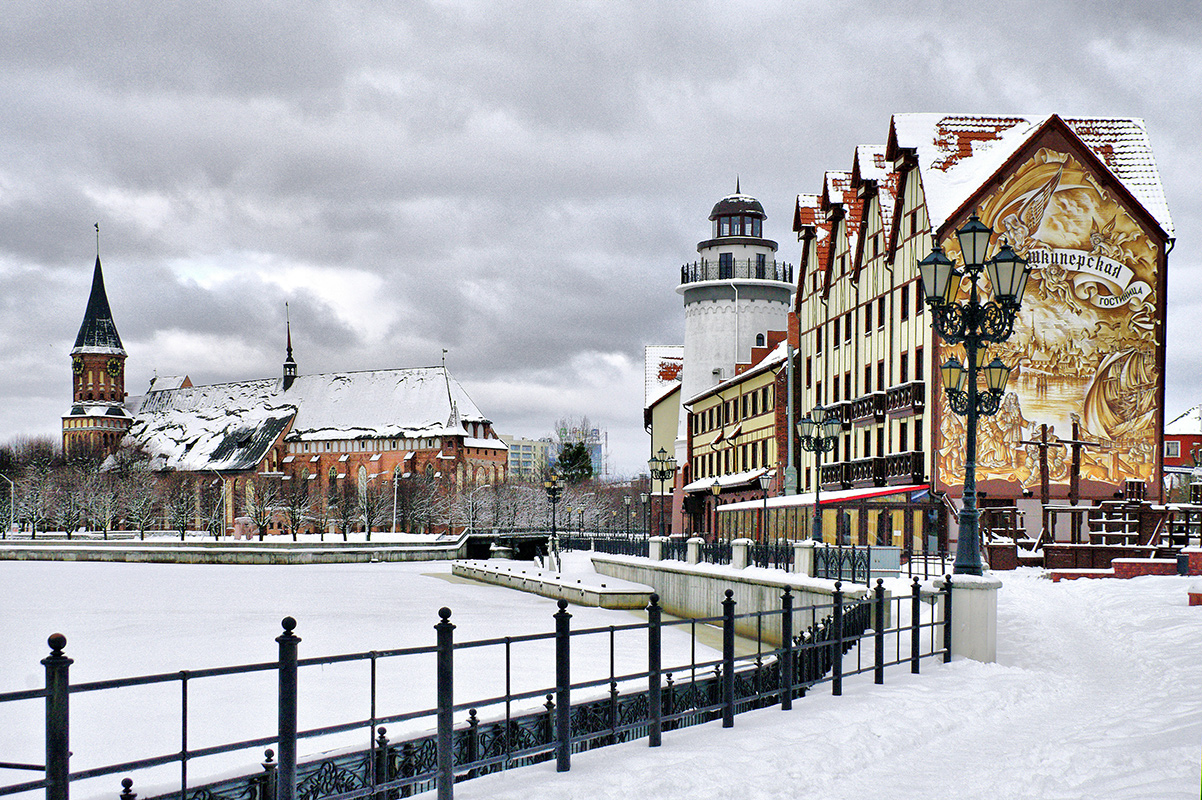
58, 688
837, 641
654, 703
563, 683
445, 645
915, 616
786, 656
473, 740
127, 790
380, 763
286, 771
878, 672
728, 660
947, 618
267, 779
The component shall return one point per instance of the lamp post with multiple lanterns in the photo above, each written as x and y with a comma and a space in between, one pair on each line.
663, 467
553, 492
715, 490
819, 431
974, 324
765, 482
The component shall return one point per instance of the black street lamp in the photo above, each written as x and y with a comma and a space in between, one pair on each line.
765, 482
626, 502
663, 467
819, 432
553, 491
645, 501
974, 324
715, 490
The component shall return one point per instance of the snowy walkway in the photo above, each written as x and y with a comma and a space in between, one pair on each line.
1095, 694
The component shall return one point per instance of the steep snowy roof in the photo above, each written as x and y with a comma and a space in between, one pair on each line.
230, 426
98, 332
662, 366
872, 165
1188, 423
959, 153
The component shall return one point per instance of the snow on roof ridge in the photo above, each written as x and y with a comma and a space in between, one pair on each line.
957, 153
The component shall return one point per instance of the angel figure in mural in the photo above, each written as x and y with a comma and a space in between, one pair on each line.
1100, 240
1023, 225
1054, 283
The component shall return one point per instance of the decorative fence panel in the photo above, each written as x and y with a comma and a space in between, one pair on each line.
515, 729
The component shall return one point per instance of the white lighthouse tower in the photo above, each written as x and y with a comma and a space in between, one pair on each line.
733, 295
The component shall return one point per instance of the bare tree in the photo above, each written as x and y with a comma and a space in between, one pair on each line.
375, 505
417, 503
66, 497
212, 506
345, 509
102, 499
140, 497
295, 503
179, 502
262, 501
319, 511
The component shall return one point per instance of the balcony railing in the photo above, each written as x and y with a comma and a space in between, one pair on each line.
906, 399
869, 408
867, 472
842, 411
904, 468
836, 476
737, 269
891, 470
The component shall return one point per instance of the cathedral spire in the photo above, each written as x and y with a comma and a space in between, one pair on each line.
289, 361
98, 331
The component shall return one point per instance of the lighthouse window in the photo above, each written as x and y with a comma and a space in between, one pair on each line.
726, 226
761, 264
726, 266
755, 227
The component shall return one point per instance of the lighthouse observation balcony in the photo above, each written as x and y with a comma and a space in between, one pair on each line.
735, 269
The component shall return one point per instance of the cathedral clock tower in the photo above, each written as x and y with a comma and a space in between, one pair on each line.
98, 418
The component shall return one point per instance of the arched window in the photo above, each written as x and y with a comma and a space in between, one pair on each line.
333, 480
759, 340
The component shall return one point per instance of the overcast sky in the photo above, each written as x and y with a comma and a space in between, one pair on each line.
518, 183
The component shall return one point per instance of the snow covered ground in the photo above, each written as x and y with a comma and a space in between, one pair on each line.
1095, 693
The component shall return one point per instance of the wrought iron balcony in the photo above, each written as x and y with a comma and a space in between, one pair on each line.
869, 408
906, 399
749, 269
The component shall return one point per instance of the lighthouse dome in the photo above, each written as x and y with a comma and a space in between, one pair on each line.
738, 204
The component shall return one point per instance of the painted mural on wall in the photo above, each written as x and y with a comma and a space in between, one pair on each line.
1084, 345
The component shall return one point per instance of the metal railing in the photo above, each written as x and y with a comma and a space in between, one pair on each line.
736, 269
843, 563
511, 729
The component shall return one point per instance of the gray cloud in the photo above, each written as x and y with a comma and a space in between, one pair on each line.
518, 183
